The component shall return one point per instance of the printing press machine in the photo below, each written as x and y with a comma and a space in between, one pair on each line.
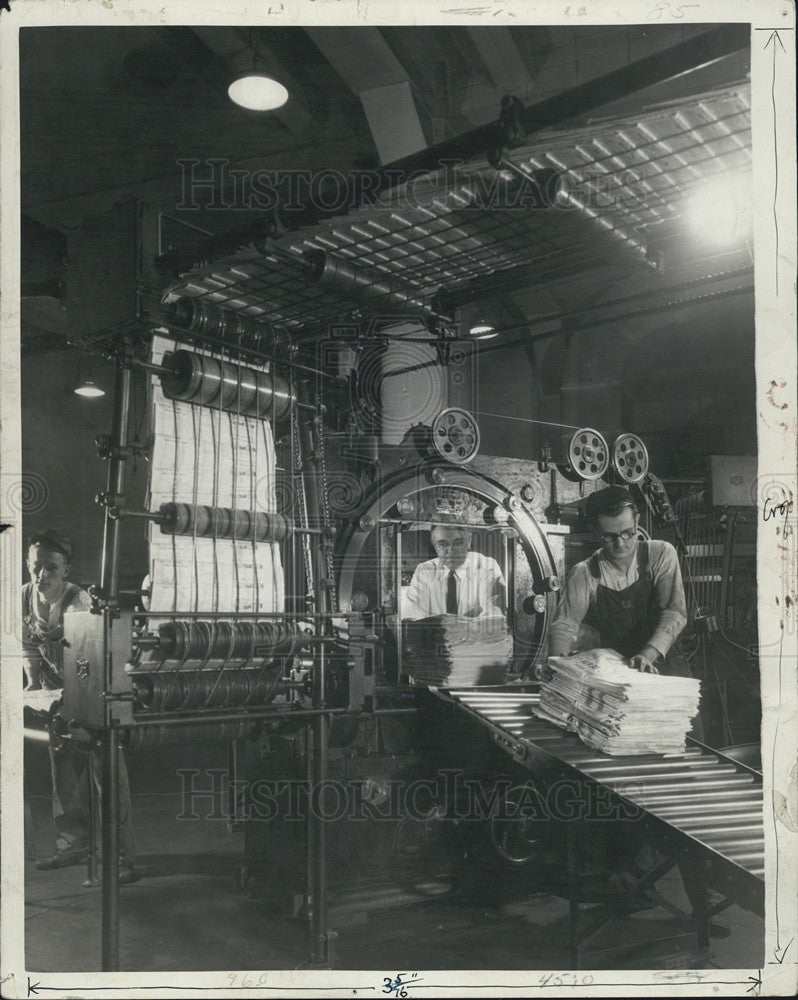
318, 693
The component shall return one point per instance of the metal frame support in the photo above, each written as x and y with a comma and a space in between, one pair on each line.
317, 832
91, 864
573, 896
319, 728
109, 588
110, 839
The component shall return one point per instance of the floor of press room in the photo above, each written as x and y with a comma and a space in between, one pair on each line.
186, 912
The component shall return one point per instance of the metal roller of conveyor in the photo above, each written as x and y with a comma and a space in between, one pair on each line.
699, 799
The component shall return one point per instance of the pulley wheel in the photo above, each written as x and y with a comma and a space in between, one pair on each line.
455, 435
630, 458
517, 830
588, 454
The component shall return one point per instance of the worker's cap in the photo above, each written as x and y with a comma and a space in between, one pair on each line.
609, 502
54, 540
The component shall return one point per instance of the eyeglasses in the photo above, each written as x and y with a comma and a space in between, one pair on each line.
612, 536
445, 544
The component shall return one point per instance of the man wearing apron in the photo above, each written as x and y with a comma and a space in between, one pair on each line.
629, 596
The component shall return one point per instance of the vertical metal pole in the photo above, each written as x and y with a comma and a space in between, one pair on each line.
695, 887
91, 864
109, 588
573, 896
726, 568
318, 830
109, 581
235, 813
399, 637
110, 807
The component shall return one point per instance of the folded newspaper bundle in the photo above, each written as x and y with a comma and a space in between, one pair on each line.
450, 651
616, 709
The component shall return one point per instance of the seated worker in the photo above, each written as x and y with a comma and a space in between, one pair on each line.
45, 601
628, 596
457, 582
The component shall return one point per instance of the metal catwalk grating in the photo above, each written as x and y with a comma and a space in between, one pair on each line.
476, 222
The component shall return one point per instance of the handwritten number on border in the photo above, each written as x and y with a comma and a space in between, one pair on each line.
675, 10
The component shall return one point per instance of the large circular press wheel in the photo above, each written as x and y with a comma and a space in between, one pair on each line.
588, 454
455, 435
630, 458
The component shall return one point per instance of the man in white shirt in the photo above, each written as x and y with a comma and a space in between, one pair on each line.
457, 582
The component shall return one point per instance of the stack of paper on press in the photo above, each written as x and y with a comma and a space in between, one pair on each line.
616, 709
457, 652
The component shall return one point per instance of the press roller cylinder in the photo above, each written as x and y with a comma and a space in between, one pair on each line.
172, 690
373, 288
222, 522
227, 324
221, 640
206, 381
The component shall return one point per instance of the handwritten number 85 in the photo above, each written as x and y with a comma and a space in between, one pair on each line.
675, 10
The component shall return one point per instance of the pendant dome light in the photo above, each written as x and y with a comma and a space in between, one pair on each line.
257, 92
483, 330
89, 389
255, 89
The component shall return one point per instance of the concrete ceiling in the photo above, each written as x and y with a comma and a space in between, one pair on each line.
108, 112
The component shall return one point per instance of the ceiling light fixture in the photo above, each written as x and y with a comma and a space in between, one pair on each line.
483, 331
719, 210
257, 92
89, 389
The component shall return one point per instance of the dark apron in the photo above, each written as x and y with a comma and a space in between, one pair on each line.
626, 619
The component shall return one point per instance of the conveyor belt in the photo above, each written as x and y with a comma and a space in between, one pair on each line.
699, 800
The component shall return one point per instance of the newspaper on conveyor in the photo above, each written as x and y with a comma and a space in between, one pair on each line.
616, 709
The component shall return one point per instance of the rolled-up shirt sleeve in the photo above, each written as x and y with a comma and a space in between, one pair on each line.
571, 611
669, 588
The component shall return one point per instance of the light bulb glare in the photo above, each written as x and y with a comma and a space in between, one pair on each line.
257, 92
719, 212
483, 331
89, 389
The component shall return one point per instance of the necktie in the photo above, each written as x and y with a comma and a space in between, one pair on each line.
451, 594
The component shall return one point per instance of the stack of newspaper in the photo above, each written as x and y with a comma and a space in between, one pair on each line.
450, 651
616, 709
